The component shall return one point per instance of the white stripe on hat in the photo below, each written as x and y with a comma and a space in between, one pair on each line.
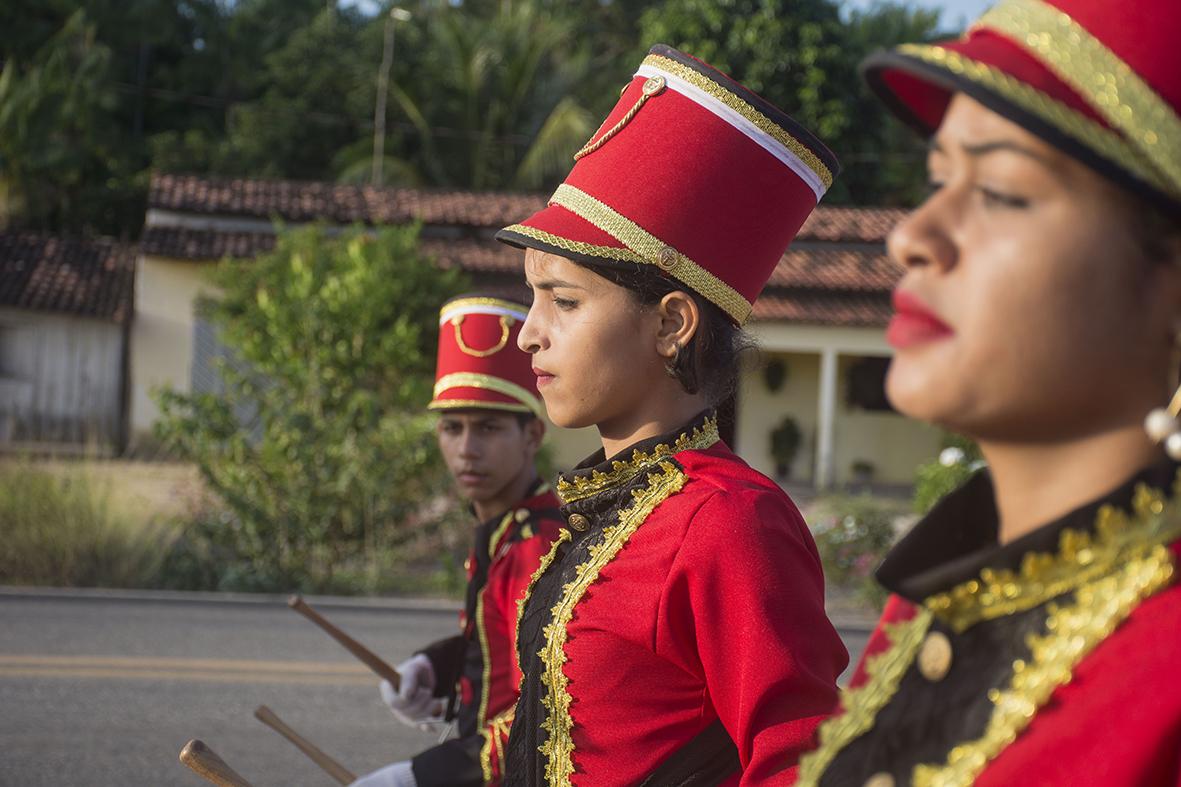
475, 308
735, 119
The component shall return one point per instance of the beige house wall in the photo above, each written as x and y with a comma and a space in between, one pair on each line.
162, 333
162, 354
894, 445
568, 447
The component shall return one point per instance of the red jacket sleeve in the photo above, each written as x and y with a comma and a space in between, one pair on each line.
744, 603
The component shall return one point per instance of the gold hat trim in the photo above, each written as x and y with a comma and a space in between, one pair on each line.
752, 115
482, 305
652, 250
483, 381
506, 328
1082, 129
576, 247
1110, 86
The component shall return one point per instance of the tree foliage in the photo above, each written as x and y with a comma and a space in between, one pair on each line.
483, 94
802, 56
332, 340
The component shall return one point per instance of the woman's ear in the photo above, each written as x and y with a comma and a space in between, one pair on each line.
680, 319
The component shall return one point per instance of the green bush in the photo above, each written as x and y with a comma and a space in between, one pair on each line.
853, 534
61, 528
956, 463
321, 449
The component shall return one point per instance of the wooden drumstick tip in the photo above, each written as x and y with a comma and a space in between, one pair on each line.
203, 761
295, 600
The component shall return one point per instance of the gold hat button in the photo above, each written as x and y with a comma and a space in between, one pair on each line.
654, 86
935, 656
667, 258
882, 779
578, 522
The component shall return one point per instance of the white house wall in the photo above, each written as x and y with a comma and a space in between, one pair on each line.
59, 378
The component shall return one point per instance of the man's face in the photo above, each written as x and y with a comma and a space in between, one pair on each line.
486, 450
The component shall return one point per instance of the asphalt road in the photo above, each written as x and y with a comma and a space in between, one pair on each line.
101, 691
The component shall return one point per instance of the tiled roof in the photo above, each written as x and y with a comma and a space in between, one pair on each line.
857, 225
301, 201
838, 273
836, 268
183, 243
858, 310
837, 286
88, 278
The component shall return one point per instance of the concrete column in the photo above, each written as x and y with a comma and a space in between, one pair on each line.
825, 462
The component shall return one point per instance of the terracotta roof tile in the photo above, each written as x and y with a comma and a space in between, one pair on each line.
832, 269
837, 286
88, 278
859, 310
836, 268
300, 201
861, 225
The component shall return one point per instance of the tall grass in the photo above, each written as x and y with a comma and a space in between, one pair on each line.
61, 527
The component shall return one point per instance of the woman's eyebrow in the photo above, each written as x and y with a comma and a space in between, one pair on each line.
549, 284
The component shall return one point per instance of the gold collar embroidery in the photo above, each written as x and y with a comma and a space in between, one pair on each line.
1110, 573
1081, 558
576, 486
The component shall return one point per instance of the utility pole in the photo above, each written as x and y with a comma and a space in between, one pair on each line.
383, 85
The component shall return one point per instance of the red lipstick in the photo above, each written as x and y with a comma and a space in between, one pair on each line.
914, 322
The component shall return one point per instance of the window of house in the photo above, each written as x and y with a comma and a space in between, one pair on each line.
866, 385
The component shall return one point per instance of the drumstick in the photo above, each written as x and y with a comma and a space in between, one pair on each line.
368, 657
206, 764
330, 766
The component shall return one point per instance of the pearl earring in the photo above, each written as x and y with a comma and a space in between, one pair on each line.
1162, 427
1161, 423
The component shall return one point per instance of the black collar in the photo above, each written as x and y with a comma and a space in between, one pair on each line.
958, 538
597, 474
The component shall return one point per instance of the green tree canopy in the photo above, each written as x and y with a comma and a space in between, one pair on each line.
483, 94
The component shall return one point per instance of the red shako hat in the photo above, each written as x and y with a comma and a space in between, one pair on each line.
1098, 79
480, 365
693, 173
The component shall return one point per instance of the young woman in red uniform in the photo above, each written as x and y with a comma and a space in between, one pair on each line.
1034, 634
650, 640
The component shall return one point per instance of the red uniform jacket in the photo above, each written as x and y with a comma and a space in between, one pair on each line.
1052, 660
682, 581
477, 669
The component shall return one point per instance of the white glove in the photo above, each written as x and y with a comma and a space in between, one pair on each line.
400, 774
414, 703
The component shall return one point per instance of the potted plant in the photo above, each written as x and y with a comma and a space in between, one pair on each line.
775, 375
862, 471
785, 443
